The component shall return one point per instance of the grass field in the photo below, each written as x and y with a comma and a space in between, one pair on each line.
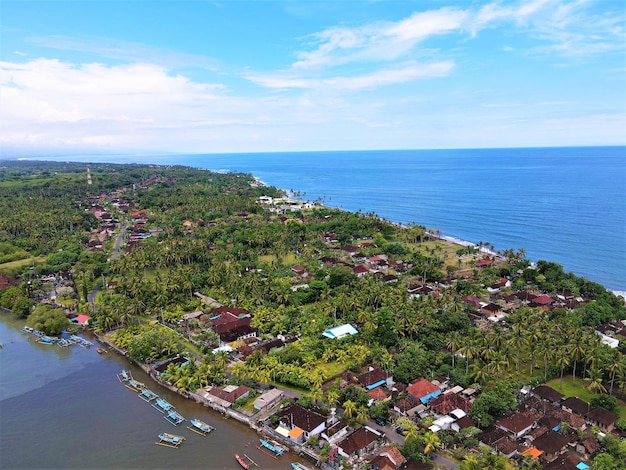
11, 265
576, 388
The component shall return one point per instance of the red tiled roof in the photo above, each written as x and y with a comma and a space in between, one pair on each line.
421, 388
448, 402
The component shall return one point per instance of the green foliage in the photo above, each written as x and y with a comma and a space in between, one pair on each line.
51, 321
605, 401
492, 404
22, 306
354, 394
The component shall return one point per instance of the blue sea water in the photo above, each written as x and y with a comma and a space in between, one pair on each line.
566, 205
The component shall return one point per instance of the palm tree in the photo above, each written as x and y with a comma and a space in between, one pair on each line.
594, 381
349, 408
453, 342
617, 363
518, 340
562, 360
431, 442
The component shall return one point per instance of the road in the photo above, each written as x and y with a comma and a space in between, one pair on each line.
116, 253
397, 439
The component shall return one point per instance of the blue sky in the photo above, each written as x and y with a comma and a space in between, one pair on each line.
255, 76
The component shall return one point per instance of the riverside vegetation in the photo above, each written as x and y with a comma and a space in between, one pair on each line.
294, 270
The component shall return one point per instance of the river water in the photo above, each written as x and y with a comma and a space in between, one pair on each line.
65, 408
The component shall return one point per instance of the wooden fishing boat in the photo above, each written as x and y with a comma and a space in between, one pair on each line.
277, 451
44, 339
245, 461
174, 417
124, 376
162, 405
299, 466
200, 427
170, 440
134, 385
147, 395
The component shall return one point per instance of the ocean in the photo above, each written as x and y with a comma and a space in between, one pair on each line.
566, 205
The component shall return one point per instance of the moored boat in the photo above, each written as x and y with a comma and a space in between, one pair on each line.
174, 417
200, 427
27, 329
134, 385
275, 449
162, 405
170, 440
299, 466
245, 461
147, 395
47, 339
124, 376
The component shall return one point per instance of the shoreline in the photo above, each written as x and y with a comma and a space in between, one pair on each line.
250, 421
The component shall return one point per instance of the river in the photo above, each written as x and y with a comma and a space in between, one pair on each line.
65, 408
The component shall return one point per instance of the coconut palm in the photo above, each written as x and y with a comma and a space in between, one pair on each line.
431, 442
349, 408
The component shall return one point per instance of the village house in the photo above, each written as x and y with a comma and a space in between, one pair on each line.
552, 444
446, 403
227, 396
304, 422
423, 390
389, 458
603, 419
545, 392
359, 442
375, 377
516, 424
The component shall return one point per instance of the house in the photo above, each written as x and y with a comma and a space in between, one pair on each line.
482, 263
532, 452
268, 399
516, 424
448, 402
604, 419
423, 390
311, 422
473, 301
336, 432
378, 394
375, 377
340, 331
299, 271
389, 458
588, 447
546, 392
490, 309
403, 405
360, 270
359, 442
505, 446
227, 396
82, 320
576, 405
552, 444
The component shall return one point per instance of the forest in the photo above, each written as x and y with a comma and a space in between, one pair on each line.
293, 272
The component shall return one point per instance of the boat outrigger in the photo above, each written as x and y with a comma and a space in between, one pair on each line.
134, 385
124, 376
299, 466
148, 395
277, 451
47, 339
174, 417
170, 440
200, 427
245, 461
162, 405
